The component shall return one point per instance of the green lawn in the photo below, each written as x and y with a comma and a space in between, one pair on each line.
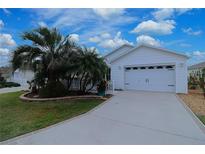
202, 118
17, 117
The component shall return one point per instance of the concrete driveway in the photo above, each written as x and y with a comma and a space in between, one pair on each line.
127, 118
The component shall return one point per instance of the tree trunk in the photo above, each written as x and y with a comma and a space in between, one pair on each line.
81, 80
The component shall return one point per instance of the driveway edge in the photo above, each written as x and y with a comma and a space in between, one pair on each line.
194, 117
54, 125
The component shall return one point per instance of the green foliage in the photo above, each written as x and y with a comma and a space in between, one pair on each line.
52, 89
102, 86
19, 117
55, 58
5, 84
2, 79
202, 81
192, 82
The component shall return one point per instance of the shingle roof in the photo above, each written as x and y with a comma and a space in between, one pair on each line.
196, 66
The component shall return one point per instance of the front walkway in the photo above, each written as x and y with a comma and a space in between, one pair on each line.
127, 118
13, 89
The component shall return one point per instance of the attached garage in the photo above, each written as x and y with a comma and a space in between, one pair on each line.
150, 78
148, 68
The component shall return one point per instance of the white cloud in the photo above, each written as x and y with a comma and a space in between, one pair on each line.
1, 24
89, 23
105, 35
185, 45
196, 56
145, 39
199, 54
6, 40
74, 37
180, 11
106, 13
95, 49
151, 27
190, 31
162, 14
4, 52
42, 24
6, 11
167, 13
95, 39
109, 42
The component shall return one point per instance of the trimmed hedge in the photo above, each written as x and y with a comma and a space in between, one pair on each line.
9, 84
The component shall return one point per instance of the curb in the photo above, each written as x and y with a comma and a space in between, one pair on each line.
24, 98
194, 117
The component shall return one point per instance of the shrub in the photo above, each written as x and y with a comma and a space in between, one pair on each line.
12, 84
53, 89
101, 87
192, 83
202, 81
9, 84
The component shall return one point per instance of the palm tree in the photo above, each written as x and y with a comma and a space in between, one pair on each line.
92, 69
54, 58
44, 54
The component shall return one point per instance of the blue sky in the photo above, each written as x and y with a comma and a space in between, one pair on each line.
180, 30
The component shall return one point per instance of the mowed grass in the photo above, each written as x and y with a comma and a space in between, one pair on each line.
18, 117
202, 118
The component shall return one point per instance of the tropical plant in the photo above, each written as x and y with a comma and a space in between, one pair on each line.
92, 69
202, 80
192, 82
43, 55
55, 59
101, 87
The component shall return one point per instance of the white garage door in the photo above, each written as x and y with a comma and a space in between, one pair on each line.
150, 78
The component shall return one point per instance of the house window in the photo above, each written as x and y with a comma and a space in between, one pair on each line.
135, 68
169, 67
142, 68
159, 67
128, 68
151, 67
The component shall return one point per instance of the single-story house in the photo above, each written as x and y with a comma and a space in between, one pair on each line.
21, 77
147, 68
196, 68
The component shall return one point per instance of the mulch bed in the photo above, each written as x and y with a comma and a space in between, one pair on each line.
195, 101
71, 95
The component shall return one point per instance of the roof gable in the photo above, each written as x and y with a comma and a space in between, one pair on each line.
197, 66
148, 46
118, 49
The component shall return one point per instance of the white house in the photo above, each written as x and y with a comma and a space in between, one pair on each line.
148, 68
21, 77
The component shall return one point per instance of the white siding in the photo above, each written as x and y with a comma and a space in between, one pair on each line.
22, 77
118, 52
149, 56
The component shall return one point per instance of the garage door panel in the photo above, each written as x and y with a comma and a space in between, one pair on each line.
150, 79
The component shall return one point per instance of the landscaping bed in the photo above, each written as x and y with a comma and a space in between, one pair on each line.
72, 95
196, 102
18, 117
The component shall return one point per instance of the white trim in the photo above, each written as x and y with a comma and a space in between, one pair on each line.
110, 53
153, 64
148, 46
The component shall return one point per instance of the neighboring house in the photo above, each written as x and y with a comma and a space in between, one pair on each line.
5, 72
21, 77
148, 68
195, 69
